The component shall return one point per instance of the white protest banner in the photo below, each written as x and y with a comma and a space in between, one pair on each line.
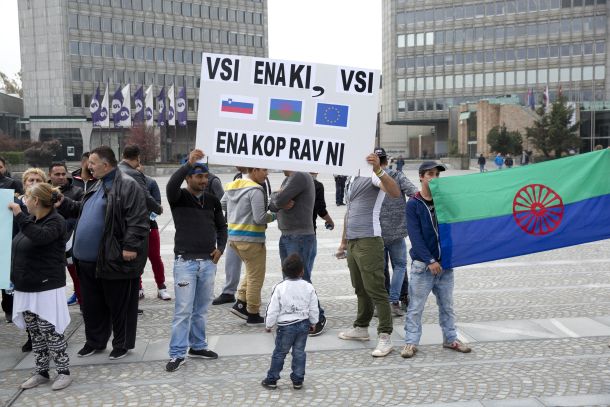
6, 236
259, 112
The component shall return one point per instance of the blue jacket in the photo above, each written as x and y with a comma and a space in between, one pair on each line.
422, 232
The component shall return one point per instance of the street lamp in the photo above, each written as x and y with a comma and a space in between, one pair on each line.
420, 155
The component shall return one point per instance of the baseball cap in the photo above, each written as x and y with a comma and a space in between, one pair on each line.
428, 165
380, 152
199, 168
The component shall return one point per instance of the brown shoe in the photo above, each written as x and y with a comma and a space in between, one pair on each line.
408, 351
457, 346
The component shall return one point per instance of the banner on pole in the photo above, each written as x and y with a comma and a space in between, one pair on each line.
259, 112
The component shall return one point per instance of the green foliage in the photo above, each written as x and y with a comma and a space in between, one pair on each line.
14, 157
552, 134
505, 142
453, 148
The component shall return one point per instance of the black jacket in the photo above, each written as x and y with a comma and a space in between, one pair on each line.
200, 227
10, 183
38, 253
126, 227
78, 181
140, 178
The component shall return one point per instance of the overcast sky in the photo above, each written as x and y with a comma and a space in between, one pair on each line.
338, 32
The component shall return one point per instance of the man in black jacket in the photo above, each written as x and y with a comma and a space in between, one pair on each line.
82, 177
7, 182
131, 161
109, 264
200, 240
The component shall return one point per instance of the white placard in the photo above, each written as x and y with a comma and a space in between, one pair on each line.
265, 113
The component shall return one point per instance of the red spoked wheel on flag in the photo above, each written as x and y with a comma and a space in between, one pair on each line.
537, 209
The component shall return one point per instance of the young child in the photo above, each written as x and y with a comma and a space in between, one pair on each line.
294, 309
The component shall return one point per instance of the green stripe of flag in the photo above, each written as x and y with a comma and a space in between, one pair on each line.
491, 194
284, 116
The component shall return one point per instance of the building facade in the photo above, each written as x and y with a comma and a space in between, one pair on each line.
70, 47
439, 54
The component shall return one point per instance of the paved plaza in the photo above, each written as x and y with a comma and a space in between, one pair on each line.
539, 326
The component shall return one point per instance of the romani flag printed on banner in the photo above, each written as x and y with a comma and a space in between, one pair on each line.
500, 214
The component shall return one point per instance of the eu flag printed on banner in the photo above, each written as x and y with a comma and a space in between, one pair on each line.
332, 115
285, 110
235, 106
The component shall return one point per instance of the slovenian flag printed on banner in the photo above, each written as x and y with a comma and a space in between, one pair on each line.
332, 115
238, 107
285, 110
500, 214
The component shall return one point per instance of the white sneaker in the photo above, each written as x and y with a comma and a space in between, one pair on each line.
384, 346
356, 333
141, 295
61, 381
34, 381
162, 294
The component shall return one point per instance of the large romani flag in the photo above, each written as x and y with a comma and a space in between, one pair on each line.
494, 215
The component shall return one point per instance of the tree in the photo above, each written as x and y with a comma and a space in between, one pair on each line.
11, 86
41, 154
553, 133
148, 140
503, 141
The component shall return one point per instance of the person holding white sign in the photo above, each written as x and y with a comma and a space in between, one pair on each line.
245, 204
364, 244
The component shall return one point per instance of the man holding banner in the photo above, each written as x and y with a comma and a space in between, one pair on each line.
426, 272
364, 244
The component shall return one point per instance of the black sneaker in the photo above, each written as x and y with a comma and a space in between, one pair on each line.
255, 320
87, 351
223, 299
117, 353
174, 364
239, 309
140, 311
297, 385
202, 353
319, 327
269, 384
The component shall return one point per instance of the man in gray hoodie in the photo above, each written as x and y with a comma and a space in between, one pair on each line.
294, 204
246, 207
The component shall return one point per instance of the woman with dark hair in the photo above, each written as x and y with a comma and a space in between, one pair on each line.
38, 274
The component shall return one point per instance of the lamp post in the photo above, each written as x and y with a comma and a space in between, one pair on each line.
419, 150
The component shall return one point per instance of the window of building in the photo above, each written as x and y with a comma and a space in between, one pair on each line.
169, 55
150, 54
223, 15
532, 53
178, 55
553, 75
489, 79
95, 23
420, 84
438, 59
489, 57
85, 74
511, 7
531, 76
499, 78
402, 105
177, 8
510, 78
138, 27
84, 48
401, 85
438, 83
400, 41
566, 3
459, 81
429, 83
118, 51
410, 85
205, 35
554, 27
533, 5
577, 49
96, 49
420, 39
98, 75
137, 4
521, 54
600, 72
128, 51
158, 30
178, 33
83, 22
429, 38
410, 40
108, 50
468, 80
128, 27
196, 10
499, 55
577, 26
117, 26
429, 104
139, 52
544, 5
411, 105
205, 11
543, 51
106, 24
148, 29
520, 78
196, 34
564, 74
187, 34
77, 100
214, 14
565, 50
72, 20
75, 74
577, 73
468, 58
566, 26
553, 51
479, 57
159, 54
509, 54
478, 80
188, 56
73, 47
587, 73
187, 9
600, 47
542, 76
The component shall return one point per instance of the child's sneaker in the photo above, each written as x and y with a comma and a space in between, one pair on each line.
269, 384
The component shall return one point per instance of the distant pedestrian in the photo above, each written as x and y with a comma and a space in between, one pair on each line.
508, 161
294, 309
400, 163
38, 273
481, 161
525, 158
427, 275
499, 161
340, 189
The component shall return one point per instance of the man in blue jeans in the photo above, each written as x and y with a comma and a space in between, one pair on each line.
294, 204
426, 272
200, 240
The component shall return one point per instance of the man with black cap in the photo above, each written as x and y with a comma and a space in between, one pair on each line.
200, 240
427, 273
